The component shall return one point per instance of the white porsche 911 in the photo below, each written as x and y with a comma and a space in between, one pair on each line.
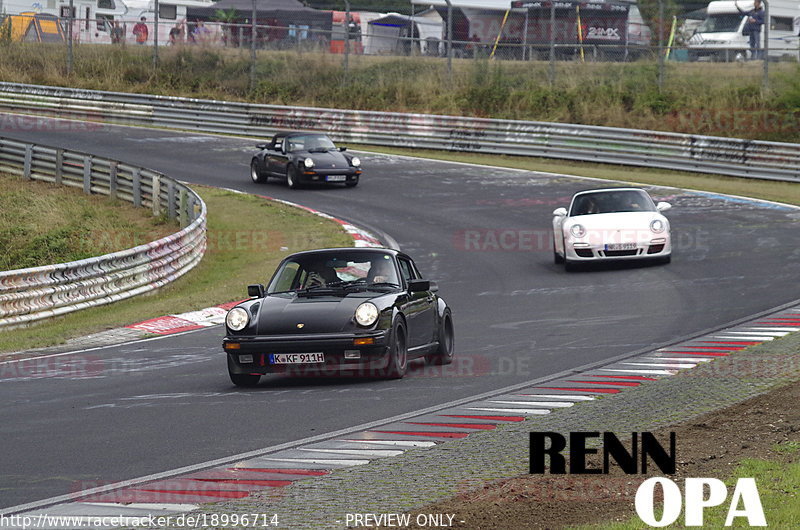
611, 224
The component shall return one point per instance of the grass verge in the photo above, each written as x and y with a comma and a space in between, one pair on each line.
42, 223
238, 254
785, 192
777, 482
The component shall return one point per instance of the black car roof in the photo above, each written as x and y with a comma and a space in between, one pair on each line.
297, 133
381, 250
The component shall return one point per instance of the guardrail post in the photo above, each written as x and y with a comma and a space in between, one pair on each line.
156, 195
112, 180
137, 188
59, 166
183, 212
87, 174
171, 199
26, 168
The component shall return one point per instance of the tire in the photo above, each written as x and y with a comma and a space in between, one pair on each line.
444, 352
558, 259
351, 184
255, 174
665, 259
291, 178
398, 357
242, 380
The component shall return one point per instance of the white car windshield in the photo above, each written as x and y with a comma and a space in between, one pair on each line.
335, 270
611, 202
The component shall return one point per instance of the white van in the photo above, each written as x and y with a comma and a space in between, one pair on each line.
719, 37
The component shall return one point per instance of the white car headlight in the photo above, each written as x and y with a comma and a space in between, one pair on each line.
308, 162
577, 230
355, 161
657, 226
237, 319
366, 314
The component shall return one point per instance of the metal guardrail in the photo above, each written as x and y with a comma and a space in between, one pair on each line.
685, 152
28, 295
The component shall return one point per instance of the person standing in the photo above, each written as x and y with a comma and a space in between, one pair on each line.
752, 27
117, 34
140, 31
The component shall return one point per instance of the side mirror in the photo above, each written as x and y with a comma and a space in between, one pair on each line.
255, 291
342, 149
261, 146
663, 206
560, 212
418, 286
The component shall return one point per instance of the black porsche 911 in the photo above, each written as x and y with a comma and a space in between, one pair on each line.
304, 158
352, 311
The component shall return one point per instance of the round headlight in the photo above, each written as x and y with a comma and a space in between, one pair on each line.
308, 162
366, 314
578, 230
355, 161
237, 319
657, 226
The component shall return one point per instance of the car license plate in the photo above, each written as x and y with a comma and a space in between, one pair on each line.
621, 246
336, 178
296, 358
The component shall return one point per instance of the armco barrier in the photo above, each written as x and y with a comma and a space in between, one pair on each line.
28, 295
686, 152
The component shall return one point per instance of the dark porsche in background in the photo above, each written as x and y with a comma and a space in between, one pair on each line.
347, 310
304, 158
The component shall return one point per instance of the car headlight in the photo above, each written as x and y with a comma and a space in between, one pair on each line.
366, 314
308, 162
577, 230
237, 319
355, 161
657, 226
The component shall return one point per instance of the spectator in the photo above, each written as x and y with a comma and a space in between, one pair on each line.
201, 33
752, 27
140, 31
176, 34
117, 34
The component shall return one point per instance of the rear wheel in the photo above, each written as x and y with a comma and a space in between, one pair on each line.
291, 177
255, 173
398, 356
444, 352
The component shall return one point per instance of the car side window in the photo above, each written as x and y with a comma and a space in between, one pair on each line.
286, 281
407, 270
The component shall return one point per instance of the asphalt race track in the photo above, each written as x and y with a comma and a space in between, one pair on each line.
484, 233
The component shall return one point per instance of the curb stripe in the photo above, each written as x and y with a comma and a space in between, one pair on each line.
478, 426
518, 411
634, 377
402, 443
596, 390
478, 417
703, 353
610, 383
282, 471
565, 397
248, 482
428, 433
545, 404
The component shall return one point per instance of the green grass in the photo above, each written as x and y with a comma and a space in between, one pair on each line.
42, 223
778, 486
785, 192
717, 99
248, 236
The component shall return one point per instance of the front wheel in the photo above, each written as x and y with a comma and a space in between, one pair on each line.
351, 184
398, 356
291, 178
245, 380
558, 259
255, 173
444, 352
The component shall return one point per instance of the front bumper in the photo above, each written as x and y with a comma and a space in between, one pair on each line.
343, 353
310, 176
652, 249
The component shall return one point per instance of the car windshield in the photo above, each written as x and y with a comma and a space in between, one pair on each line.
611, 202
335, 270
724, 23
309, 142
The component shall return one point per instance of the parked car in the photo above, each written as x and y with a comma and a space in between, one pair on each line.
611, 224
344, 310
304, 158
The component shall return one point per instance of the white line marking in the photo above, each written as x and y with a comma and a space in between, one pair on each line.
783, 329
356, 452
147, 506
664, 365
740, 337
554, 404
342, 462
646, 372
760, 333
698, 359
516, 411
566, 397
402, 443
